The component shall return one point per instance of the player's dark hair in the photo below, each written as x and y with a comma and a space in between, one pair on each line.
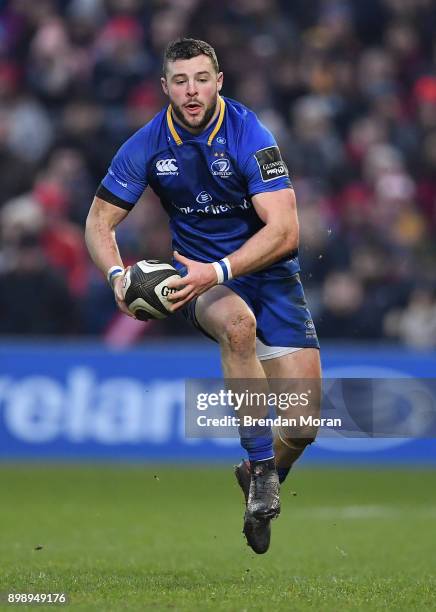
186, 48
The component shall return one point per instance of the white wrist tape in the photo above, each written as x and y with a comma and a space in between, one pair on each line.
223, 270
113, 273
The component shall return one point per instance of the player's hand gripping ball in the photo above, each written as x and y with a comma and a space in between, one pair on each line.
145, 289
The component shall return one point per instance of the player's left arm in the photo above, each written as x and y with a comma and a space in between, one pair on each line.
278, 237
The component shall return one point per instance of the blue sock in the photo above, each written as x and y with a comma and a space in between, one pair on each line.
282, 472
258, 442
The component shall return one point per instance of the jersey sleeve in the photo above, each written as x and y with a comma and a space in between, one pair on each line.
126, 178
260, 159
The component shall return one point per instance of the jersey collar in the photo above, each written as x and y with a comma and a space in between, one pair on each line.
214, 132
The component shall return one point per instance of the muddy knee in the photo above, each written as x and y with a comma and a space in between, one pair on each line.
238, 334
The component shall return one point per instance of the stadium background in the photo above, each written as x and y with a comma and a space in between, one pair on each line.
348, 88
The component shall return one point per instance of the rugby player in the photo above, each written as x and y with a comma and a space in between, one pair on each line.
232, 214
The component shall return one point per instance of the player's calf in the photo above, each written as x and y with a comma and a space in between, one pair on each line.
287, 450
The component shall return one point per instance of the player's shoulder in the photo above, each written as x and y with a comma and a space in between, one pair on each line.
241, 114
250, 133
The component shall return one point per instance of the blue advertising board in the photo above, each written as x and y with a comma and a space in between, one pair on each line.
89, 402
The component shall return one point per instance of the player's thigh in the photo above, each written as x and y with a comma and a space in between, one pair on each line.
222, 313
302, 364
297, 373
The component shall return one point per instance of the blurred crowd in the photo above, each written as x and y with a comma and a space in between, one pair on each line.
347, 86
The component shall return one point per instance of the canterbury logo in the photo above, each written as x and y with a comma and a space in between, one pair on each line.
166, 165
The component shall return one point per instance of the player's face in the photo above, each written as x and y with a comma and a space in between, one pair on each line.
192, 87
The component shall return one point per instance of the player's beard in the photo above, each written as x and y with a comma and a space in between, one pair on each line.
195, 124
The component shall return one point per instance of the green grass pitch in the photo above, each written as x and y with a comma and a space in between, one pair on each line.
160, 538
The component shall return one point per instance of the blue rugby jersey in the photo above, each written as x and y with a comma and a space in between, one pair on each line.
205, 182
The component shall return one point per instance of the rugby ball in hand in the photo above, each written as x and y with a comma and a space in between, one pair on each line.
146, 291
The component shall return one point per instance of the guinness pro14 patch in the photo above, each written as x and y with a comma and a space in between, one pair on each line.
270, 163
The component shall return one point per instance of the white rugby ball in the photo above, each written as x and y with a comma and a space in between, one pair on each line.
146, 289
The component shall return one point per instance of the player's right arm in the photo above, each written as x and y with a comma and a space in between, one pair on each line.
119, 191
101, 222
